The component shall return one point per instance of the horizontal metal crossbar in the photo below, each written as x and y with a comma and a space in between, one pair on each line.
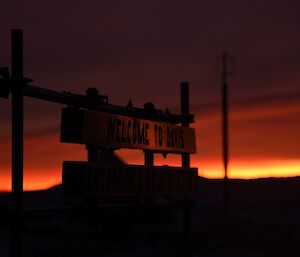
92, 100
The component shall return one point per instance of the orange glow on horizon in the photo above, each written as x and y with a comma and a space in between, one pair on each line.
242, 169
251, 169
259, 147
267, 168
32, 181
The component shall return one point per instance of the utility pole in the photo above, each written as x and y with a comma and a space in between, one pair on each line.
227, 69
17, 142
185, 160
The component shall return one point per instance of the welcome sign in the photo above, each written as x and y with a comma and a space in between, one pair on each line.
117, 131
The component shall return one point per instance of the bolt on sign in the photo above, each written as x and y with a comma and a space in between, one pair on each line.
108, 180
117, 131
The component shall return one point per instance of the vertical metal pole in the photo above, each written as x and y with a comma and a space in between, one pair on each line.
17, 142
93, 156
149, 158
92, 153
225, 135
186, 215
149, 161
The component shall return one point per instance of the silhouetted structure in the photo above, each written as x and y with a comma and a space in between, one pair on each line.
17, 143
226, 71
90, 110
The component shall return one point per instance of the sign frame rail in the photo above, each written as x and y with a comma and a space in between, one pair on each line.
19, 86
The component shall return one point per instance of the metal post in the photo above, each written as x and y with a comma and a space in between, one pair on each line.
92, 153
149, 158
226, 71
148, 154
92, 203
225, 135
149, 161
93, 156
226, 60
186, 215
17, 142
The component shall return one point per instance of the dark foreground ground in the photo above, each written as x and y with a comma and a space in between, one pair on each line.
264, 221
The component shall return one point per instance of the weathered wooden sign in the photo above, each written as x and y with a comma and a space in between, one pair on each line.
107, 180
107, 130
110, 130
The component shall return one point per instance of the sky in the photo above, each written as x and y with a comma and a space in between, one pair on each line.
142, 50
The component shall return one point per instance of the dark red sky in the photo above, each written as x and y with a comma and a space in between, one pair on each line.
141, 50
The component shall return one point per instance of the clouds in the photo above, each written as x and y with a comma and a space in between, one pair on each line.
264, 127
264, 105
141, 50
136, 45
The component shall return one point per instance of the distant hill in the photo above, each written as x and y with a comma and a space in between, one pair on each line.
263, 191
264, 220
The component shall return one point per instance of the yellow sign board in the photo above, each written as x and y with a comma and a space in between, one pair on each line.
117, 131
102, 179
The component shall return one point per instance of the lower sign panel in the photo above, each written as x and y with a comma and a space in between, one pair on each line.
108, 180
